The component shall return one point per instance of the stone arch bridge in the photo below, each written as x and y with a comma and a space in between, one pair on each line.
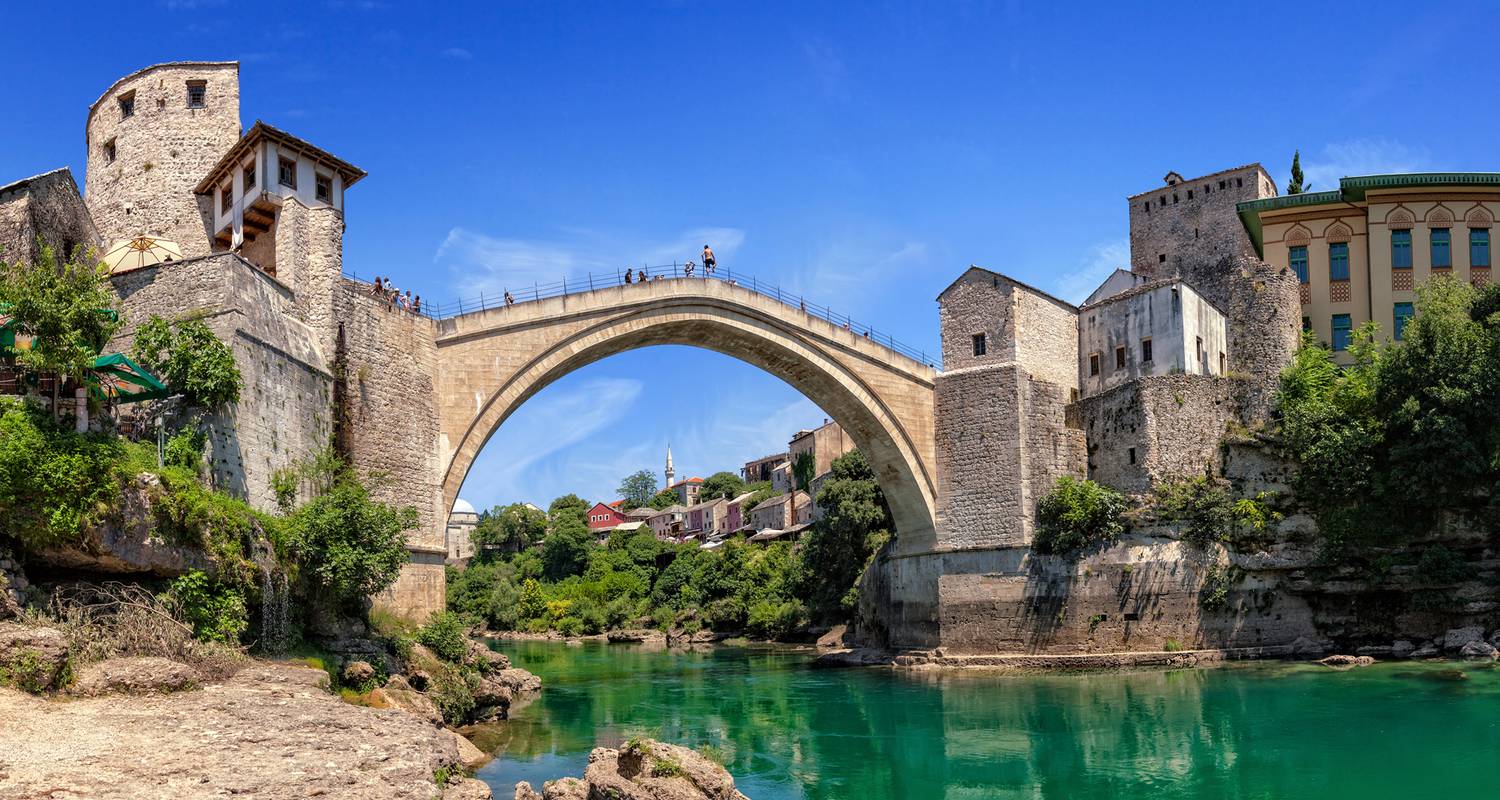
489, 362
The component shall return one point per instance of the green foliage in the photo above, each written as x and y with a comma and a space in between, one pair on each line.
446, 636
1439, 565
452, 692
191, 360
67, 308
721, 484
666, 498
507, 529
835, 551
185, 449
1296, 185
1213, 595
1078, 514
569, 504
28, 671
1172, 646
771, 620
54, 483
637, 489
760, 492
349, 545
565, 551
802, 469
216, 611
1408, 431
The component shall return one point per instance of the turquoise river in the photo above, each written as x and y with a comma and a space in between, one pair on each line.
1264, 730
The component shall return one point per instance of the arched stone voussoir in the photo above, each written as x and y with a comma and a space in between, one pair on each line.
884, 402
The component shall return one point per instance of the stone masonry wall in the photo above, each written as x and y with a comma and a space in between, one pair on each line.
388, 358
1157, 428
1046, 338
46, 206
162, 151
979, 302
282, 416
981, 496
1051, 448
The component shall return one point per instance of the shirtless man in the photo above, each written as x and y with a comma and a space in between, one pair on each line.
708, 261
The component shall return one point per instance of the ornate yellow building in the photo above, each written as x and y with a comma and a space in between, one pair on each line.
1361, 250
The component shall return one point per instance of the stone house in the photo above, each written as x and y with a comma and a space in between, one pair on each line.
1162, 327
775, 468
709, 519
669, 523
780, 512
822, 444
687, 490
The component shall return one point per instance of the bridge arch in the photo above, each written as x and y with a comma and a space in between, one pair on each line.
490, 362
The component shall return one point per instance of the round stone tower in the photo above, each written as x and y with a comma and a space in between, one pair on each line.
152, 137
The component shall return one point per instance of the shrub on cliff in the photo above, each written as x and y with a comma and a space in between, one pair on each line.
216, 612
53, 482
1078, 514
349, 545
446, 636
191, 360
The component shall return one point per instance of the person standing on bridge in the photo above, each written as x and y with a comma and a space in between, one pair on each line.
628, 272
709, 262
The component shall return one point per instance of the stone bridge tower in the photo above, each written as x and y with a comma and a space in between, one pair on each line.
151, 137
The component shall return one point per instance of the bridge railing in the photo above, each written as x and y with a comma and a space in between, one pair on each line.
591, 281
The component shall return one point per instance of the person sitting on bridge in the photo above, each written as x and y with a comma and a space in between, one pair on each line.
641, 276
510, 301
708, 261
687, 270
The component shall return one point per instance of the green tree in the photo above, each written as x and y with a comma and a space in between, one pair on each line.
66, 308
1077, 514
665, 498
508, 529
1296, 184
637, 489
191, 359
760, 492
569, 504
856, 521
349, 545
721, 484
802, 469
565, 551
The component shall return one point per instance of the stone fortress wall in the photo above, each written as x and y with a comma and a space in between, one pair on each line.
160, 151
44, 207
1193, 220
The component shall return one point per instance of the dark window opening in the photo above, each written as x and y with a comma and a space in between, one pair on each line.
1190, 194
1174, 197
978, 344
250, 176
197, 94
1131, 451
1093, 363
323, 188
1161, 258
1120, 357
1131, 616
1223, 365
127, 105
109, 151
1146, 350
227, 193
1239, 182
287, 173
1221, 184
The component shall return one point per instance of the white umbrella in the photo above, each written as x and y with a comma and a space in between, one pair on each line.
142, 251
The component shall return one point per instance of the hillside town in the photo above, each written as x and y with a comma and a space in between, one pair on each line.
773, 505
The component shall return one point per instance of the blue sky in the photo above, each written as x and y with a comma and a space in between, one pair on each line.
860, 154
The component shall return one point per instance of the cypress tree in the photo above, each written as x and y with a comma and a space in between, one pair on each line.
1296, 184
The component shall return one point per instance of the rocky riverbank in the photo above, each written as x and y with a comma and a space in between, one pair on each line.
642, 769
271, 730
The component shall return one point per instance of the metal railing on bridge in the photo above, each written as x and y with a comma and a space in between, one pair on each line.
595, 280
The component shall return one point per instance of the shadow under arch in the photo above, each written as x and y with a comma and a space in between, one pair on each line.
491, 362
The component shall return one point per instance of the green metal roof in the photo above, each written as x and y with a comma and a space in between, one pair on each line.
1353, 190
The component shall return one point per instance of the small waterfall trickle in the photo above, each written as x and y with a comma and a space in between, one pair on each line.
275, 612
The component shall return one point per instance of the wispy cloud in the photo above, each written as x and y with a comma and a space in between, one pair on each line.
847, 272
1360, 157
827, 68
522, 460
1092, 268
487, 264
458, 54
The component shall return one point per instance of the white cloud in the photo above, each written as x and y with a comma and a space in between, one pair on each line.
1092, 268
491, 265
848, 272
1360, 157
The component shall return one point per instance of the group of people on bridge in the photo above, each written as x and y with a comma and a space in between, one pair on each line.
710, 264
384, 289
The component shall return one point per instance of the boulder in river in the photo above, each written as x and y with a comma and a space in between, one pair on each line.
1456, 638
1341, 661
1480, 650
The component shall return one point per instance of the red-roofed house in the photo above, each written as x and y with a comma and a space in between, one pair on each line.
603, 516
688, 490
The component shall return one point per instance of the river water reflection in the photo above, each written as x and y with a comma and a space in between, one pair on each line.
787, 731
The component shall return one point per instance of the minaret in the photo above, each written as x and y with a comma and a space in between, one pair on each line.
670, 472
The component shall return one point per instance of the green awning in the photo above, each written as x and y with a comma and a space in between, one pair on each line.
115, 377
